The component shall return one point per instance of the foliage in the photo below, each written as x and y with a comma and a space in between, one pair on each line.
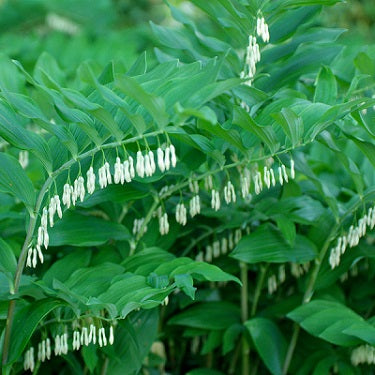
233, 245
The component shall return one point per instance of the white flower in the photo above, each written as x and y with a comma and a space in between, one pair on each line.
64, 339
34, 260
160, 155
292, 171
66, 195
29, 255
104, 337
194, 206
31, 359
199, 257
102, 177
111, 336
273, 180
44, 218
284, 173
73, 195
51, 211
224, 245
173, 155
40, 236
58, 206
267, 177
48, 348
57, 345
108, 173
208, 183
92, 334
118, 171
209, 253
230, 241
140, 165
131, 167
147, 166
167, 160
90, 180
163, 224
84, 339
127, 171
40, 254
216, 249
280, 175
152, 162
262, 29
272, 284
181, 214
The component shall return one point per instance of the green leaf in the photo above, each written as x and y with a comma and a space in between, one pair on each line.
288, 229
63, 268
265, 134
8, 263
230, 337
25, 322
291, 124
266, 244
153, 104
269, 342
364, 64
185, 283
326, 87
367, 148
14, 181
17, 135
79, 230
333, 322
133, 337
222, 315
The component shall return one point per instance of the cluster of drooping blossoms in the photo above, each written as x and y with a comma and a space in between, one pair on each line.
86, 336
221, 247
163, 222
90, 334
139, 227
252, 56
352, 238
126, 171
297, 270
363, 354
262, 29
267, 180
275, 280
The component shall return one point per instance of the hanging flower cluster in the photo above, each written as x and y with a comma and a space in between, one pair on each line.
87, 335
29, 362
274, 281
252, 56
220, 247
352, 238
138, 226
163, 222
262, 29
181, 214
144, 166
297, 270
251, 59
363, 354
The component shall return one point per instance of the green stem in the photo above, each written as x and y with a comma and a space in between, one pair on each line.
258, 289
245, 353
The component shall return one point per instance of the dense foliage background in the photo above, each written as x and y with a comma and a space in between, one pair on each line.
242, 242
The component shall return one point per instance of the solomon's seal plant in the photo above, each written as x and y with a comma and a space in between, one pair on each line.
188, 210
